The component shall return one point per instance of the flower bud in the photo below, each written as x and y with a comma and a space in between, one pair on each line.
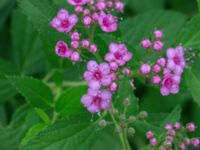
132, 119
146, 44
126, 102
143, 114
158, 34
131, 131
102, 123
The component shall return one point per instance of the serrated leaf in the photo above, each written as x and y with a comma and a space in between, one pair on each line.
63, 135
22, 120
35, 91
40, 13
126, 91
192, 77
189, 36
28, 55
32, 132
173, 117
69, 101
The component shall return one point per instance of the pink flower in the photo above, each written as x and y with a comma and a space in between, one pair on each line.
87, 20
118, 54
107, 22
98, 74
101, 101
195, 142
156, 68
177, 125
156, 79
161, 61
153, 141
149, 134
168, 127
158, 46
158, 34
145, 69
75, 36
170, 84
119, 6
191, 127
182, 146
85, 43
176, 60
75, 57
113, 87
64, 22
62, 49
77, 2
146, 44
93, 48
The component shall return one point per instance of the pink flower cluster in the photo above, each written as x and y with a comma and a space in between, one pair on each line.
102, 78
98, 11
166, 72
173, 134
73, 52
157, 45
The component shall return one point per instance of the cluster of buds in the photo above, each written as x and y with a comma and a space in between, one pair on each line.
98, 11
173, 134
166, 72
124, 122
102, 78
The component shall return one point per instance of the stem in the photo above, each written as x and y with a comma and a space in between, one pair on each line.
120, 134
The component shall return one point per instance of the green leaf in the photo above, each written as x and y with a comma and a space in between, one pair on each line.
35, 91
63, 135
43, 115
7, 68
69, 101
146, 5
32, 132
40, 13
7, 91
189, 36
107, 140
192, 77
198, 2
126, 91
28, 55
173, 117
5, 8
22, 120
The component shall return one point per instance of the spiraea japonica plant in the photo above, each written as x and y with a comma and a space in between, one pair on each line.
99, 75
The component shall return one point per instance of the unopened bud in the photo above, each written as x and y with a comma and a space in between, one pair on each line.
126, 102
122, 118
143, 114
131, 131
118, 129
132, 119
123, 125
102, 123
114, 111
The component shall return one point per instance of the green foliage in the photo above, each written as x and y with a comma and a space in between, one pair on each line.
69, 101
146, 5
126, 91
22, 120
192, 78
63, 135
198, 1
35, 91
56, 119
27, 56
